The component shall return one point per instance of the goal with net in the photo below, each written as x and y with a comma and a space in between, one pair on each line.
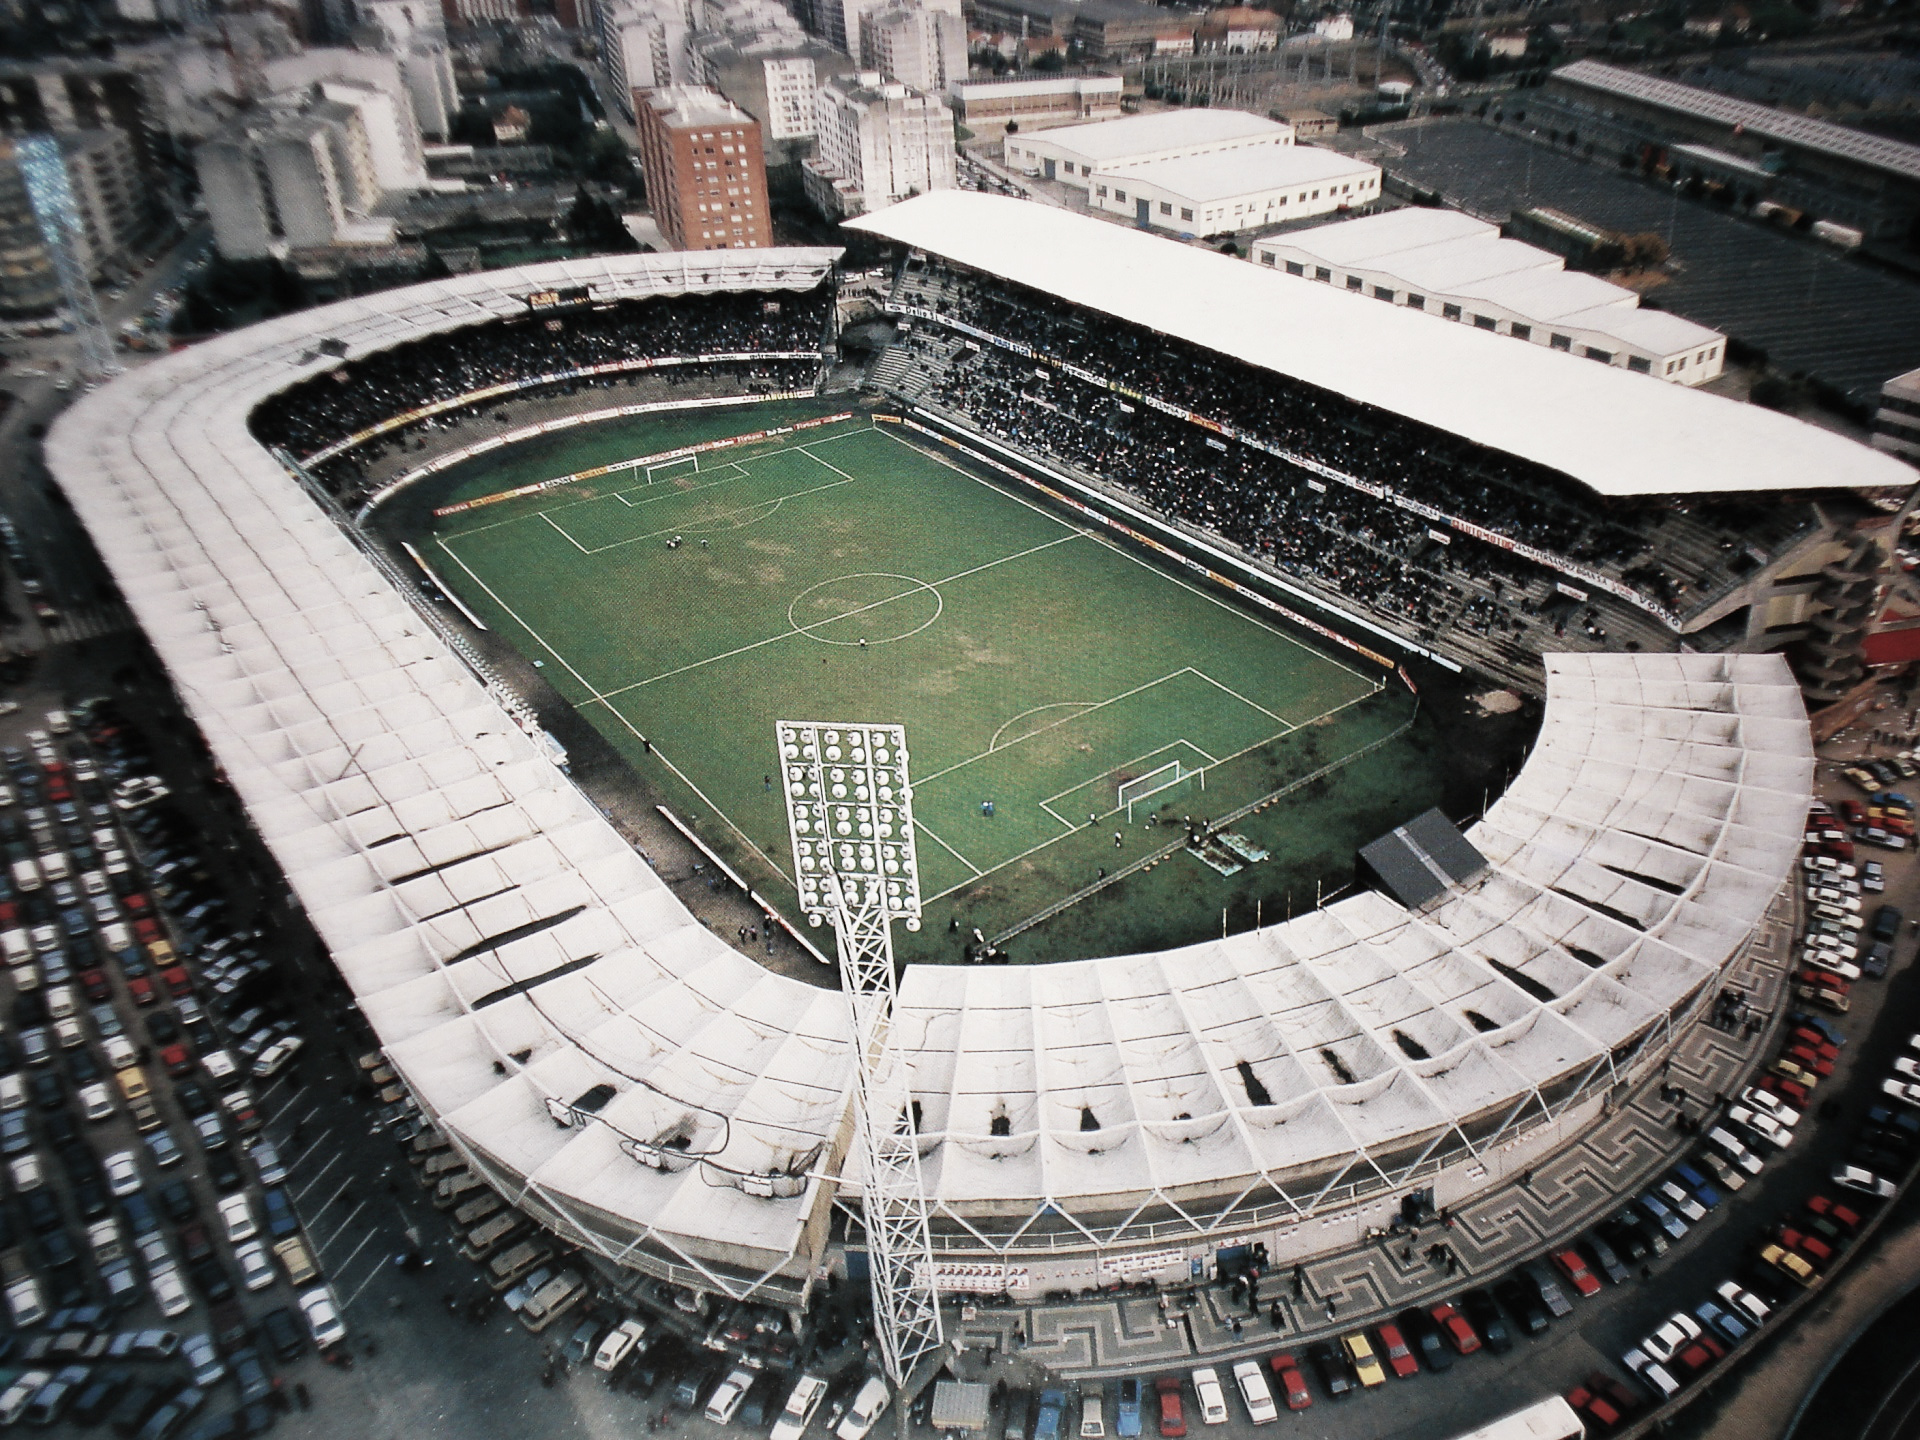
1158, 782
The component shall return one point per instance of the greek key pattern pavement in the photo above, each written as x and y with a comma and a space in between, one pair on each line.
1560, 1196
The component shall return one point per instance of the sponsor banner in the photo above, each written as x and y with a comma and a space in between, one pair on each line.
681, 453
1565, 589
1178, 557
957, 1276
1543, 558
1440, 535
1121, 1265
1406, 679
495, 392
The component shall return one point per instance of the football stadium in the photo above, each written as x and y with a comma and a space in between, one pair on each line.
1172, 568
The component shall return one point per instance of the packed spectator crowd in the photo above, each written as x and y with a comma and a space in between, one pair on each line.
328, 408
1677, 552
1336, 537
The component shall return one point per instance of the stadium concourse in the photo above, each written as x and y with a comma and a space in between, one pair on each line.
1476, 504
631, 1079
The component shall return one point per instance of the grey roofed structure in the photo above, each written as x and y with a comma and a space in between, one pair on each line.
1862, 147
1420, 860
1602, 426
1238, 1084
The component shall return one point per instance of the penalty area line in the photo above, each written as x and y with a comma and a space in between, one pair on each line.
921, 825
514, 615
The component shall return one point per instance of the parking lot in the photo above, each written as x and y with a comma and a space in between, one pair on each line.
1810, 308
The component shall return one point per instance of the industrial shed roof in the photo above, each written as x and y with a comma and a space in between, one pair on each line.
1896, 157
1112, 142
1610, 429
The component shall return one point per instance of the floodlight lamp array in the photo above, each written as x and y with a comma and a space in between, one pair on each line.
850, 814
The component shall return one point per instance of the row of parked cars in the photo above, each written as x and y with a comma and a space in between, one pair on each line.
1840, 944
170, 988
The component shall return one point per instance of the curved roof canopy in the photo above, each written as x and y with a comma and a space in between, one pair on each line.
511, 948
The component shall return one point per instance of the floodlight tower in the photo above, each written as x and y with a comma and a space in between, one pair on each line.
51, 195
849, 811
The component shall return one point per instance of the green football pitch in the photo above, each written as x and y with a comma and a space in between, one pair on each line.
1043, 672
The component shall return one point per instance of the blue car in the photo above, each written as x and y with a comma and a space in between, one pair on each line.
1126, 1419
1697, 1183
1046, 1422
1674, 1226
1735, 1328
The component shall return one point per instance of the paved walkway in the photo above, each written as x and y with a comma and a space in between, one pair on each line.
1568, 1192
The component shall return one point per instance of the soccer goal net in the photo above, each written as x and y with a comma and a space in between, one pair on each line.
686, 464
1158, 782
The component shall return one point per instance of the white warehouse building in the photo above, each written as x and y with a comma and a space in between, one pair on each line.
1074, 152
1459, 268
1228, 191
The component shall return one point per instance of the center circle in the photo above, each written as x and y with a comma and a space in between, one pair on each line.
874, 607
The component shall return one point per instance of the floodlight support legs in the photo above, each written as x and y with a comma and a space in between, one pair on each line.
893, 1204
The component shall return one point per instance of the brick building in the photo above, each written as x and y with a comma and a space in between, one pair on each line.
705, 168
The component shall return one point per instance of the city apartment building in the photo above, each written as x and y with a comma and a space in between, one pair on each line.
706, 175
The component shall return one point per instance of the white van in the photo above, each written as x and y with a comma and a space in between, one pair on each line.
116, 937
120, 1052
13, 1093
18, 949
54, 865
867, 1407
60, 1002
26, 875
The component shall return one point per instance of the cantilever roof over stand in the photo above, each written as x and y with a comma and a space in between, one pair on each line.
1621, 433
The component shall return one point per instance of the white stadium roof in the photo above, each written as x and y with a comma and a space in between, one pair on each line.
1630, 861
1622, 434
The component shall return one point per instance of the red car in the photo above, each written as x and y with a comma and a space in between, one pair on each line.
178, 1060
1173, 1415
9, 914
142, 991
1811, 1246
94, 982
1824, 979
1854, 811
1792, 1091
1596, 1407
1293, 1385
1393, 1345
1814, 1041
1454, 1326
1830, 1210
1699, 1354
179, 984
1569, 1264
137, 903
147, 929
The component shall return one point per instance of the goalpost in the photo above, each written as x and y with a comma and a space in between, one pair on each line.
1157, 782
667, 467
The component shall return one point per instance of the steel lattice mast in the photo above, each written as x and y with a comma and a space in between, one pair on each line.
51, 195
849, 811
